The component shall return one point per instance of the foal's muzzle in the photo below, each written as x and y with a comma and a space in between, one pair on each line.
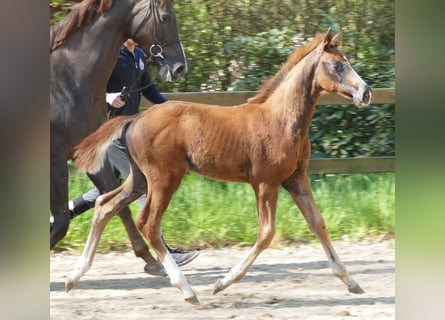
363, 96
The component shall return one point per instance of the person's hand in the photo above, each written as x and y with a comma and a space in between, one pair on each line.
114, 99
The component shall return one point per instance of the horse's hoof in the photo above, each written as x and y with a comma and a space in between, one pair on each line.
193, 300
356, 289
155, 270
69, 284
219, 286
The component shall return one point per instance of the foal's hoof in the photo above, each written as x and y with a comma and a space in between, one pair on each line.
193, 300
155, 269
356, 289
69, 284
219, 286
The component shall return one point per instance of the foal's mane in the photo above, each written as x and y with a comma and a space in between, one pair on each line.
78, 16
272, 83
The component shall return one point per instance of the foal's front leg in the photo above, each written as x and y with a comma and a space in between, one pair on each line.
105, 180
149, 223
299, 187
266, 198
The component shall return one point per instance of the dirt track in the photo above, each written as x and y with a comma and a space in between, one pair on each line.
291, 283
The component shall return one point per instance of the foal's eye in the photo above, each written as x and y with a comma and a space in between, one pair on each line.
338, 67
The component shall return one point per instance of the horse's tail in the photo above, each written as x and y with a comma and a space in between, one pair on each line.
89, 155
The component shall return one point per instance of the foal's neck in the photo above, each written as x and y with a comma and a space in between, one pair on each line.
295, 99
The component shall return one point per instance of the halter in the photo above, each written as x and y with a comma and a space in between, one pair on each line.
156, 48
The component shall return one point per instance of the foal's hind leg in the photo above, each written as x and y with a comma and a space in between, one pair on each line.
105, 180
159, 195
107, 206
299, 187
266, 197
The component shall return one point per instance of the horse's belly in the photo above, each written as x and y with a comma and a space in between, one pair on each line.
209, 168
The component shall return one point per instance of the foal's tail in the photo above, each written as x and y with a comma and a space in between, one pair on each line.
89, 155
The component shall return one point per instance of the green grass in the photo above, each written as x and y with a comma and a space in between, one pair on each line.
210, 213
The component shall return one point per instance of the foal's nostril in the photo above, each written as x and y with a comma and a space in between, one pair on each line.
366, 96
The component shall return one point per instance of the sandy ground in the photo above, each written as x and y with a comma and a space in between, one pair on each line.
295, 282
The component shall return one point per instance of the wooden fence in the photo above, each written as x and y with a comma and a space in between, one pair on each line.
339, 165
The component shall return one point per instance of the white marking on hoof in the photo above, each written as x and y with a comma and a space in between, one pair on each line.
69, 283
219, 286
193, 299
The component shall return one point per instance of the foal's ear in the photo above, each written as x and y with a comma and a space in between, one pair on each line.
327, 38
336, 41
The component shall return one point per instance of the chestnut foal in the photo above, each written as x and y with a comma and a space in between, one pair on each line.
264, 142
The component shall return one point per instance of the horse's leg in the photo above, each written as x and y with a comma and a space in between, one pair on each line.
149, 222
299, 187
59, 199
105, 180
266, 198
107, 205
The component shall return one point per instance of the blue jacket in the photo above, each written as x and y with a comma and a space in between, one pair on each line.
125, 72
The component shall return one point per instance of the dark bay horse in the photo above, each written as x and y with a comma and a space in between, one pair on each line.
264, 142
84, 48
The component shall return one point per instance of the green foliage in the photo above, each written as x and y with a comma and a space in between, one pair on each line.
260, 55
226, 41
210, 213
346, 131
58, 9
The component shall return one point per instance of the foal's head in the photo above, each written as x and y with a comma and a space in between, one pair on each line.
334, 73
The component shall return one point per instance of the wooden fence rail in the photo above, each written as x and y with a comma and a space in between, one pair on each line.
352, 165
231, 98
325, 165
